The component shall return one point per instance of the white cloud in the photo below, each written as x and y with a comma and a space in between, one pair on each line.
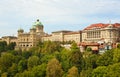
58, 12
59, 7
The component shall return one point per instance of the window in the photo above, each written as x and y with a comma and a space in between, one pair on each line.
93, 34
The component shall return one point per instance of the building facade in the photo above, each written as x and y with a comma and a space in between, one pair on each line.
98, 33
73, 36
55, 36
30, 39
9, 39
102, 34
47, 37
108, 33
99, 37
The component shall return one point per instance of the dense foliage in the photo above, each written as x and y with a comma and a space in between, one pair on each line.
49, 59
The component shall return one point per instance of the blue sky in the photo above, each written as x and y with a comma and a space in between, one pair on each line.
56, 14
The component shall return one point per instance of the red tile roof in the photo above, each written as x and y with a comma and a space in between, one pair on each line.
88, 44
101, 25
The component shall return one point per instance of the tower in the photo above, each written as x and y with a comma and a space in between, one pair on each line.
39, 27
27, 40
32, 31
20, 31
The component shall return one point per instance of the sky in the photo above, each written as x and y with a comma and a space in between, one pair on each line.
56, 15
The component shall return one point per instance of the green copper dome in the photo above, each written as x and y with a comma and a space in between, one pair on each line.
33, 26
37, 23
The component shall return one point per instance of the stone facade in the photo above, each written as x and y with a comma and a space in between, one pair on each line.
55, 36
30, 39
59, 35
107, 33
102, 32
9, 39
73, 36
95, 33
47, 38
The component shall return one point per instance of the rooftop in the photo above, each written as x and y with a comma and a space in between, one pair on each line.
63, 31
101, 25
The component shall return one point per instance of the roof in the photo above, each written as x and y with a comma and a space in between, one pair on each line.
88, 44
63, 31
101, 25
9, 37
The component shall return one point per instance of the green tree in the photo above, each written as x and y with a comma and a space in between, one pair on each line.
46, 57
86, 73
22, 65
12, 70
33, 61
26, 54
54, 68
26, 74
118, 46
116, 55
74, 47
3, 45
64, 58
99, 71
6, 61
11, 46
76, 58
89, 49
73, 72
105, 59
18, 75
5, 74
113, 70
51, 47
40, 70
90, 61
36, 51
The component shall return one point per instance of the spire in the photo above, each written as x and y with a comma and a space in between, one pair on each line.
110, 22
110, 25
37, 20
38, 23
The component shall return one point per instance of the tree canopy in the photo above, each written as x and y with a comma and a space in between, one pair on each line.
50, 59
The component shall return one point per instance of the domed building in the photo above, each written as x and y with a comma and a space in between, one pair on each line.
93, 35
30, 39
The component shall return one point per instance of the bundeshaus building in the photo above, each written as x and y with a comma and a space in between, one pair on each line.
31, 38
93, 35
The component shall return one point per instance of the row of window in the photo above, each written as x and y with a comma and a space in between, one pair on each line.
94, 34
26, 40
26, 45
